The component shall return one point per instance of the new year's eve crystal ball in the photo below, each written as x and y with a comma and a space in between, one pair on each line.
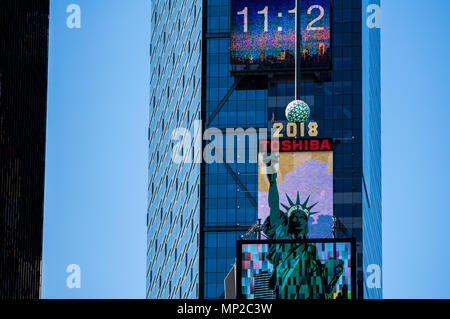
297, 111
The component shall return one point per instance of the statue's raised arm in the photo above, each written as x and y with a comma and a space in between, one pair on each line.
276, 216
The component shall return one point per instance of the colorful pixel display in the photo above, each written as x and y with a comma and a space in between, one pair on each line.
303, 177
312, 269
263, 34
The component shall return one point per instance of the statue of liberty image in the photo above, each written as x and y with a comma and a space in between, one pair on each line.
298, 272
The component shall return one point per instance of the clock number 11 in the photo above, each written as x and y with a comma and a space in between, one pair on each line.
264, 11
245, 13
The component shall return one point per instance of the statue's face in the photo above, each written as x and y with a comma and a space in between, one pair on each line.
298, 225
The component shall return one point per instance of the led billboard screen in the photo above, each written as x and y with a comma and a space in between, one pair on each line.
263, 34
296, 269
302, 188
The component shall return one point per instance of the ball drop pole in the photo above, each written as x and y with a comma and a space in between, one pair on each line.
298, 49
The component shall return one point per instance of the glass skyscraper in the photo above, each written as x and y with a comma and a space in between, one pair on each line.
173, 217
197, 211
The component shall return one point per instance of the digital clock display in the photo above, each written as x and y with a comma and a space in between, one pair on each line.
263, 34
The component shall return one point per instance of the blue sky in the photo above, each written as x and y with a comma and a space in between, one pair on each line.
96, 164
96, 176
415, 134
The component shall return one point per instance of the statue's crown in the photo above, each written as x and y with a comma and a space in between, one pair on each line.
297, 206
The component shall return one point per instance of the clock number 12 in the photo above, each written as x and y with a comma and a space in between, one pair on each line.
265, 11
310, 25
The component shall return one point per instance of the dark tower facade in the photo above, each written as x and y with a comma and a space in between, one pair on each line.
23, 104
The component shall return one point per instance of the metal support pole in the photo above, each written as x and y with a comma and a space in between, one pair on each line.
259, 229
298, 48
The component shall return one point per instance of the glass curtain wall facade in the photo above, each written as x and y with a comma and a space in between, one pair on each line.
372, 213
173, 191
23, 108
231, 189
226, 205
